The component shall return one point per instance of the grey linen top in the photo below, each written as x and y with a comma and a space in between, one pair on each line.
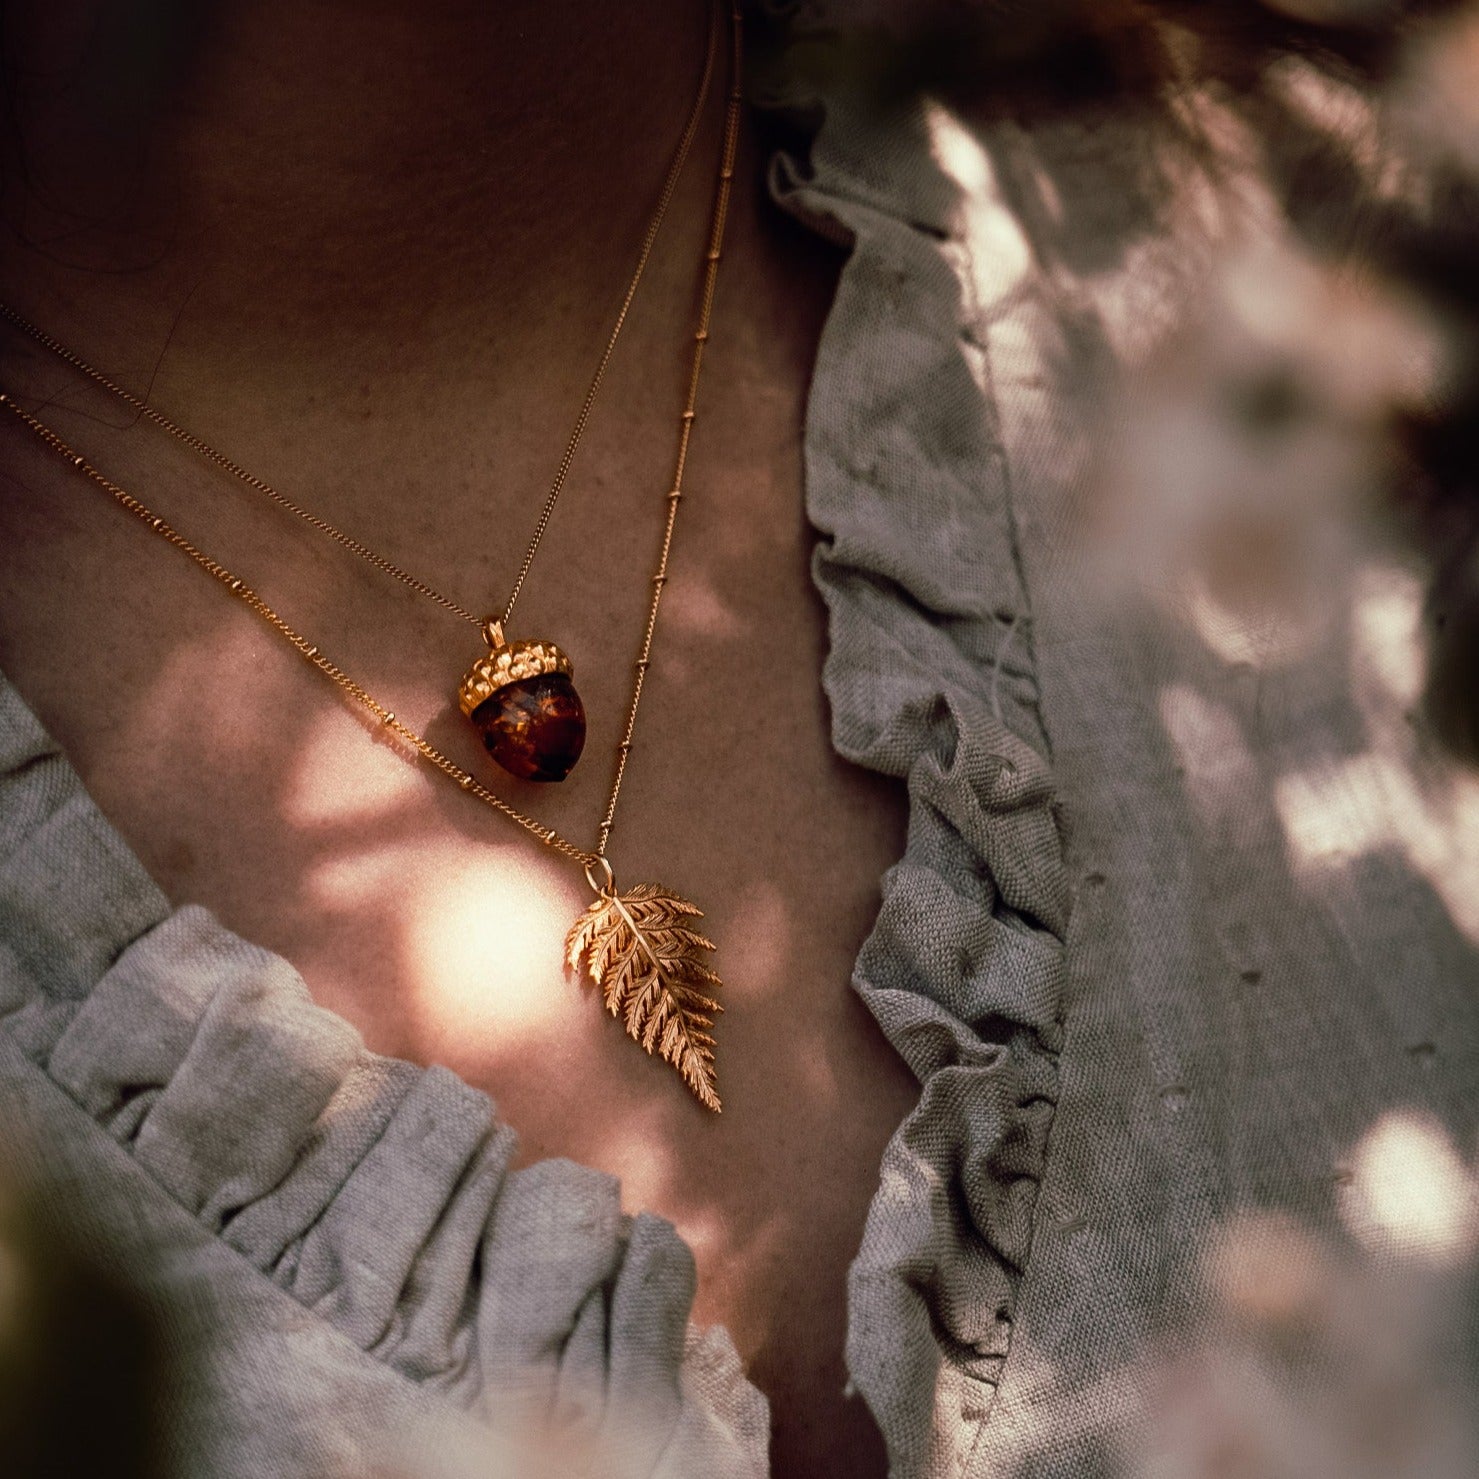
1183, 916
1211, 1027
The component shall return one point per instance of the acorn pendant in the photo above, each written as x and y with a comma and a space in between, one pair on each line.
524, 706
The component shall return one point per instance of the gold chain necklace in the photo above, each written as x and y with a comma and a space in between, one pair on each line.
636, 946
520, 696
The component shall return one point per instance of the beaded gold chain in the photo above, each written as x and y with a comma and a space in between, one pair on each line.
636, 946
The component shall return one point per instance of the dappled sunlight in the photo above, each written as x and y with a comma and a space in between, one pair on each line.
200, 715
1393, 794
1266, 1268
480, 937
1239, 776
1271, 638
761, 939
1338, 809
1220, 772
738, 1258
1358, 775
1338, 108
637, 1147
956, 150
1410, 1192
692, 605
1386, 614
998, 251
483, 945
1242, 454
1287, 1354
339, 781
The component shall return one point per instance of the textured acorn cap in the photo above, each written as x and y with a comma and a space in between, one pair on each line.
511, 662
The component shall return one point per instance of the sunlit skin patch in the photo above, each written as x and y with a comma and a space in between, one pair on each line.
761, 1244
177, 703
695, 606
340, 781
479, 935
763, 938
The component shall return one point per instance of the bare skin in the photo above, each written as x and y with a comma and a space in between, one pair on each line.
372, 254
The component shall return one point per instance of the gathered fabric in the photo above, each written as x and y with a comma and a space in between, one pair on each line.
375, 1195
931, 676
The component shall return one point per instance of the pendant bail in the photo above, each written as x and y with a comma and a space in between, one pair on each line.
492, 632
607, 888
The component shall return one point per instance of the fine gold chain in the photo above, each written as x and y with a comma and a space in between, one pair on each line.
144, 409
243, 592
669, 186
690, 404
310, 651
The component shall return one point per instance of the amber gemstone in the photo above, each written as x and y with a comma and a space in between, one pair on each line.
535, 728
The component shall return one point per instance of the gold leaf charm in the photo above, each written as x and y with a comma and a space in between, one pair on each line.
638, 949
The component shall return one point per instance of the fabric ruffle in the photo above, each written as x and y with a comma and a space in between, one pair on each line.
931, 678
376, 1193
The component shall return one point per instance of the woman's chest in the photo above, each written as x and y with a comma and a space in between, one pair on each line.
247, 781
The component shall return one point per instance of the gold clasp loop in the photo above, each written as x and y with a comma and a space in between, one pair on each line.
596, 861
492, 632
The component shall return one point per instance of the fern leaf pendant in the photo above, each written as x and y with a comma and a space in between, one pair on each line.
639, 950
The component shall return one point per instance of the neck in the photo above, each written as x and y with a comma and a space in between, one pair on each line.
392, 162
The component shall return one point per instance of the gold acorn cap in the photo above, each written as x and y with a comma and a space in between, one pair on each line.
505, 663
